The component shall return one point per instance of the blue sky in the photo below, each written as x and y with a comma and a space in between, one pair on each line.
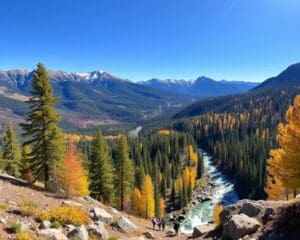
142, 39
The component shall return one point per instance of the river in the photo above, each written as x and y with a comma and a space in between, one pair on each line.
222, 192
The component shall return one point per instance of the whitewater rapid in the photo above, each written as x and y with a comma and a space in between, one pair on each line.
222, 192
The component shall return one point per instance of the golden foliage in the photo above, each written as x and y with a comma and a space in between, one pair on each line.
29, 208
193, 176
284, 163
178, 184
66, 215
165, 132
147, 201
161, 208
72, 137
216, 215
186, 177
73, 178
136, 202
193, 155
25, 236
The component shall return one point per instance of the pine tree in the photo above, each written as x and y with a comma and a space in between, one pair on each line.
42, 130
25, 166
200, 166
101, 174
163, 188
124, 174
11, 152
173, 193
147, 201
73, 178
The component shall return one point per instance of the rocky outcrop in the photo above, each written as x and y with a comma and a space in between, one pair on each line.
79, 233
240, 225
98, 229
149, 235
101, 215
126, 225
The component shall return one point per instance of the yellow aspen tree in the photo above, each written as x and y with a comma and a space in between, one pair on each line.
136, 201
193, 155
186, 177
193, 175
161, 207
284, 163
178, 184
147, 200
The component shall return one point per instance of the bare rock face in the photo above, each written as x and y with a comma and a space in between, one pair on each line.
240, 225
45, 224
126, 225
101, 215
251, 209
98, 229
203, 229
170, 232
52, 234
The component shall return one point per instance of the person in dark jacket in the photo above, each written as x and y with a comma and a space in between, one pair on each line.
176, 227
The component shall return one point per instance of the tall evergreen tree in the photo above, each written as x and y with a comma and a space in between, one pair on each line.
42, 130
101, 177
124, 174
11, 152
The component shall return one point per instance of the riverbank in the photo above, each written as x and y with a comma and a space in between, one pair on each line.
218, 189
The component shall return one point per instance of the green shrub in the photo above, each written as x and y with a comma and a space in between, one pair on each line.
4, 206
29, 208
15, 227
56, 224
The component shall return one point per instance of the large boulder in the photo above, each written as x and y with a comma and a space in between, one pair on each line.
98, 229
101, 215
203, 229
71, 203
251, 209
51, 234
79, 233
126, 225
240, 225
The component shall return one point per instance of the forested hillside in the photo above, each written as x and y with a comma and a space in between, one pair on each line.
240, 130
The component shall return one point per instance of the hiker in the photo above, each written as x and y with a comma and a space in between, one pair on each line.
153, 220
176, 227
163, 224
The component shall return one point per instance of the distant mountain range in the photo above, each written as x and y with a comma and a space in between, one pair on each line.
100, 98
286, 85
201, 87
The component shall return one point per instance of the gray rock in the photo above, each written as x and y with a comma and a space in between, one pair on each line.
98, 229
45, 224
23, 226
203, 229
227, 212
51, 234
149, 235
240, 225
126, 225
101, 215
251, 209
71, 203
79, 233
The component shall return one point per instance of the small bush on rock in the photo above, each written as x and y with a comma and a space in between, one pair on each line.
216, 215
